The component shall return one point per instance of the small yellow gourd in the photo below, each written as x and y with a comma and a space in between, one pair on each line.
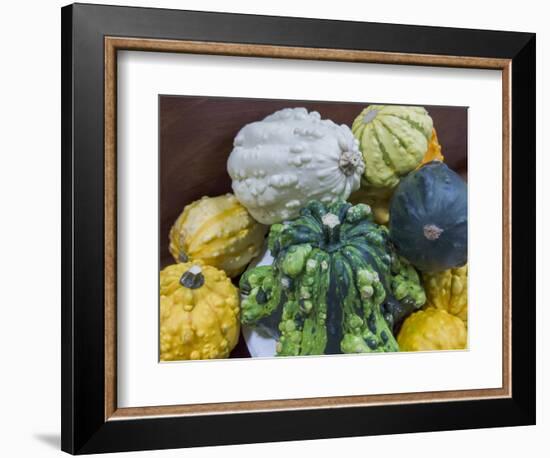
448, 290
432, 329
218, 231
378, 199
199, 312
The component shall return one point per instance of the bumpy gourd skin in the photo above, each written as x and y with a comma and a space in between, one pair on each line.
333, 269
407, 292
289, 158
432, 329
219, 231
448, 290
200, 321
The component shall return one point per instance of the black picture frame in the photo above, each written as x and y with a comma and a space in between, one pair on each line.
84, 427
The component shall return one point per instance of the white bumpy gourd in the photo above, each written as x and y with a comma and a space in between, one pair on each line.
291, 157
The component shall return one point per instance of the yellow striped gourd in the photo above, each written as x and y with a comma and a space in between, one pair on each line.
218, 231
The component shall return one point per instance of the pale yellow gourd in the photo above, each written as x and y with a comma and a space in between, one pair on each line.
199, 312
219, 231
393, 140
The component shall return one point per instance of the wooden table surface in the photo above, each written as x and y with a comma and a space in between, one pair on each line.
196, 136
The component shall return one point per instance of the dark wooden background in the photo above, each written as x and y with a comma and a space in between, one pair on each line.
196, 136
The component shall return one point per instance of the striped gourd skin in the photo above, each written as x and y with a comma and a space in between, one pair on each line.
219, 231
393, 141
329, 279
379, 198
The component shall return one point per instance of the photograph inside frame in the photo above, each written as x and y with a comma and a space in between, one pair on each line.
296, 228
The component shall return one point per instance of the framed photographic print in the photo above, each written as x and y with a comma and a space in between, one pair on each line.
271, 222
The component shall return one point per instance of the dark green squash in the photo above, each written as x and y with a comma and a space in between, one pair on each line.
429, 218
333, 272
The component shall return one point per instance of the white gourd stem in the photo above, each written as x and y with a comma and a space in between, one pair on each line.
332, 224
370, 116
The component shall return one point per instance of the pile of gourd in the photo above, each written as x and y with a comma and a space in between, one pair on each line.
367, 242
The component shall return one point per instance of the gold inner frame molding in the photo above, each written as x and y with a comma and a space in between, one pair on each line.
114, 44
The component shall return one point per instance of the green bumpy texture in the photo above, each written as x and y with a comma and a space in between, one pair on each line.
333, 275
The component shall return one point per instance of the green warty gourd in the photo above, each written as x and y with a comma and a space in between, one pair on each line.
335, 285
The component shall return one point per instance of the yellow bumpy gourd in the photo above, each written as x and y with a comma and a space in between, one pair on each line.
432, 329
199, 312
448, 290
218, 231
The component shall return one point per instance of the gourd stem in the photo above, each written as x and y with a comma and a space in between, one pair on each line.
193, 278
432, 232
331, 228
348, 162
370, 116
